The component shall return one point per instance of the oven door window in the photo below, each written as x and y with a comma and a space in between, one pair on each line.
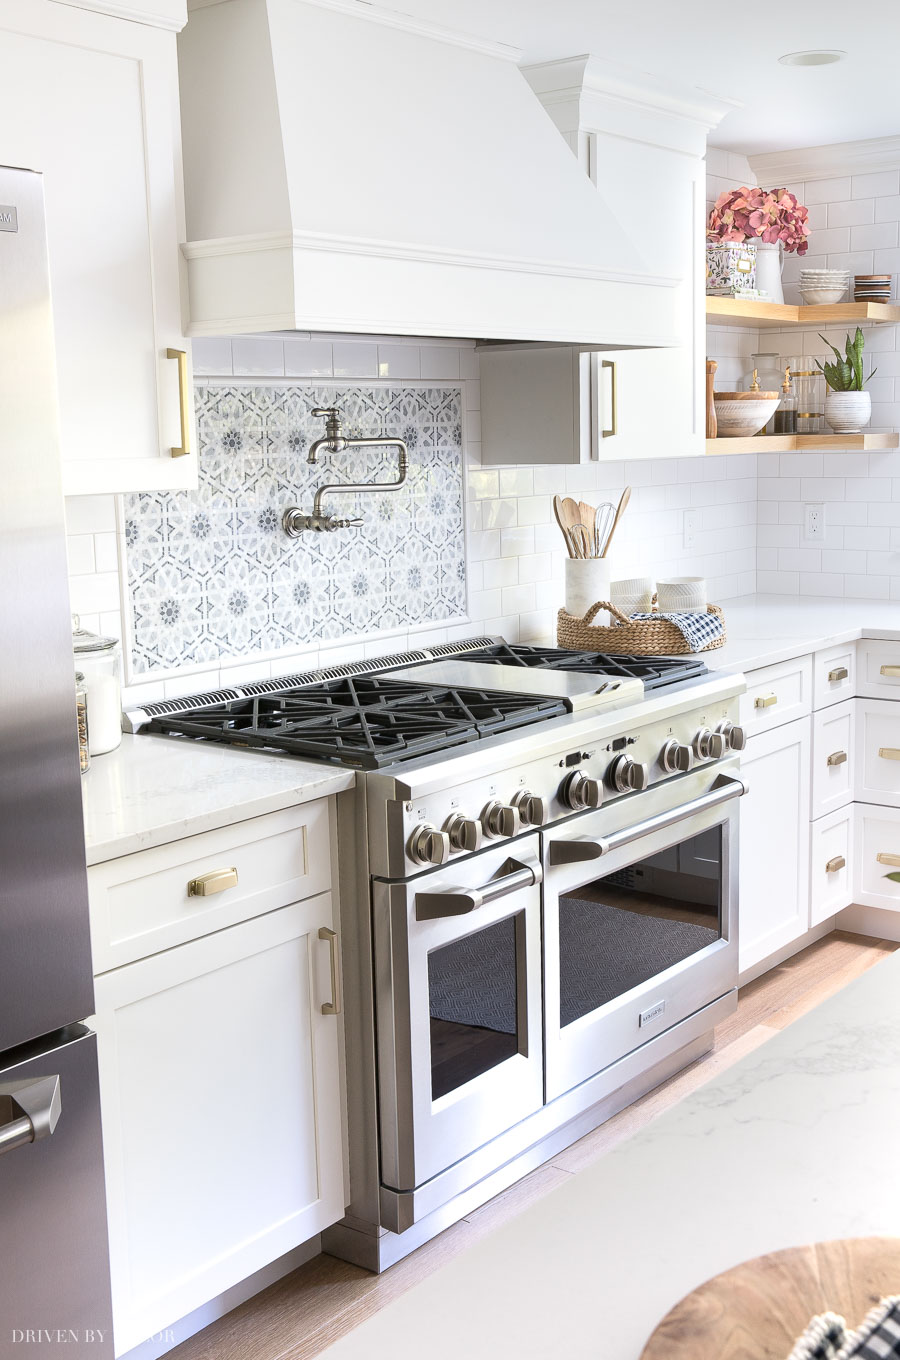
619, 931
476, 1011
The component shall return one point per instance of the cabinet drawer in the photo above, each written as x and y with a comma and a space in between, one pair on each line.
878, 669
877, 854
831, 865
833, 754
777, 694
834, 675
878, 751
141, 903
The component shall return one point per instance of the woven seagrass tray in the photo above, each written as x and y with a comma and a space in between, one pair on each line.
628, 637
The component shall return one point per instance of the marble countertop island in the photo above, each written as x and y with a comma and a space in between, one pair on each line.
795, 1143
158, 789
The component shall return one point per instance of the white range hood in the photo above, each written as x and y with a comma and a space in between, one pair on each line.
348, 168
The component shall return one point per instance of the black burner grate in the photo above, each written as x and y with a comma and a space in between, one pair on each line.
654, 671
365, 722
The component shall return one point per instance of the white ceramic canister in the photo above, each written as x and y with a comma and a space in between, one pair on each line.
682, 595
99, 660
587, 582
634, 596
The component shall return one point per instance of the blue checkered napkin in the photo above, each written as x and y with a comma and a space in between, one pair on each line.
698, 630
822, 1339
878, 1337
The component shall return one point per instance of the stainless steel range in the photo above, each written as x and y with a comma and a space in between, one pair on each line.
538, 900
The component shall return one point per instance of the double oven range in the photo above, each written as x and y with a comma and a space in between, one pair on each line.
538, 900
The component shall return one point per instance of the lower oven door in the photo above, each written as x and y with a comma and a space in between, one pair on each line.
458, 997
640, 921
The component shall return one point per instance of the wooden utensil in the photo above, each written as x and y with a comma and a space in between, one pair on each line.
623, 505
558, 512
570, 512
586, 514
711, 422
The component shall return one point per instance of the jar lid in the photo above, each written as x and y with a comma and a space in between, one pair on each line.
79, 677
85, 641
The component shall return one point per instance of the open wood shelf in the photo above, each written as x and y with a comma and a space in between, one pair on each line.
724, 311
793, 443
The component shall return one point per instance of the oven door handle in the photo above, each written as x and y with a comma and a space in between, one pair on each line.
512, 875
575, 851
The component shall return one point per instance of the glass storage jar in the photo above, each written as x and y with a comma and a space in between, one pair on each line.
84, 754
99, 659
770, 375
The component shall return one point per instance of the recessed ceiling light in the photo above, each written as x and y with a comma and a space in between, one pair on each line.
814, 58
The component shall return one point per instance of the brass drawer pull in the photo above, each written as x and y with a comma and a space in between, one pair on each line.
218, 880
183, 402
837, 757
838, 862
613, 399
839, 673
884, 858
889, 753
335, 1005
767, 702
891, 671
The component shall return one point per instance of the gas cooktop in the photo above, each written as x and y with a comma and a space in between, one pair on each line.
371, 715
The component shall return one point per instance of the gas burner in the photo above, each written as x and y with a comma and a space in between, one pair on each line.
654, 671
366, 722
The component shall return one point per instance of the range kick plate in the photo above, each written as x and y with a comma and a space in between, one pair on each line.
579, 691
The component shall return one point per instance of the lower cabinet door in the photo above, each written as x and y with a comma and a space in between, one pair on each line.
878, 751
221, 1110
831, 865
773, 905
877, 873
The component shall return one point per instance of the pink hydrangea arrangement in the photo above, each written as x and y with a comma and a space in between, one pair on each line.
769, 215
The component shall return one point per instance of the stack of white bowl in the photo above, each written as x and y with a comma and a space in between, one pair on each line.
819, 287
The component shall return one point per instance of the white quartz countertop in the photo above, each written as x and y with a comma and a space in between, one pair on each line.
763, 629
793, 1144
155, 789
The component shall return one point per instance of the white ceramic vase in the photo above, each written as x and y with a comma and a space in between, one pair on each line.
847, 412
587, 582
768, 271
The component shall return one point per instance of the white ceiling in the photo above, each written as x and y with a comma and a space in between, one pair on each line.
730, 50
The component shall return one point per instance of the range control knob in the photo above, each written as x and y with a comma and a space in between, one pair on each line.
464, 832
709, 745
530, 807
499, 819
427, 845
627, 775
735, 737
676, 758
579, 791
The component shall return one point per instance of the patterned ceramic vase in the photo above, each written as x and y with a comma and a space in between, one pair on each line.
848, 412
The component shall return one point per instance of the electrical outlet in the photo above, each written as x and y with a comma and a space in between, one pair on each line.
691, 528
814, 523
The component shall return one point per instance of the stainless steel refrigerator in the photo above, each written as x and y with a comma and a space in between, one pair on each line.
54, 1269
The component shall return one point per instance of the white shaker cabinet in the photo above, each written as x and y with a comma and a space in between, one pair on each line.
219, 1082
774, 841
91, 101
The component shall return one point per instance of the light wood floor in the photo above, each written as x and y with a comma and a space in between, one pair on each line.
301, 1315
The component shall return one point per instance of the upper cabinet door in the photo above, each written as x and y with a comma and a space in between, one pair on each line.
92, 102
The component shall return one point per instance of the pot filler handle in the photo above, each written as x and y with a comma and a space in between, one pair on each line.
512, 875
575, 851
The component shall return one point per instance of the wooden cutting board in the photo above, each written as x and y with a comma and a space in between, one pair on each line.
757, 1310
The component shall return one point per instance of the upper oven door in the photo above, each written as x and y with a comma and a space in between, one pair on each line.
458, 996
640, 922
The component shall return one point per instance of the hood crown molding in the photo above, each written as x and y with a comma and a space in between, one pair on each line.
827, 162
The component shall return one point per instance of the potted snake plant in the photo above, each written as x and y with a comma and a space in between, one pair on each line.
848, 407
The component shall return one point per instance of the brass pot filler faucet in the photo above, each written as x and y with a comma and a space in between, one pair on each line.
295, 521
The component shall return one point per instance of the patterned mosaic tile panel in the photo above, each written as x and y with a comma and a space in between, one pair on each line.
211, 573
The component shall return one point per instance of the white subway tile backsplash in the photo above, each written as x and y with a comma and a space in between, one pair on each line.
211, 356
877, 185
440, 361
399, 361
308, 359
827, 190
255, 356
80, 551
877, 236
355, 360
852, 213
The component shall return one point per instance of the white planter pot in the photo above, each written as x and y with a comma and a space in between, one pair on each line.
768, 271
848, 412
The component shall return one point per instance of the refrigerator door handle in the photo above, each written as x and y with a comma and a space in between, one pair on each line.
31, 1110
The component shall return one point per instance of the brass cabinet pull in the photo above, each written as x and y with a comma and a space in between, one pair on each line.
891, 670
889, 753
183, 402
767, 702
837, 758
218, 880
839, 673
613, 398
335, 1005
838, 862
884, 858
